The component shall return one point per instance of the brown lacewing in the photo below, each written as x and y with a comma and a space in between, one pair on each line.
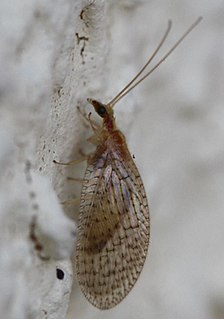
114, 225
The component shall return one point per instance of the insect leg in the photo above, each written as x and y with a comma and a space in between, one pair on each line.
94, 125
75, 179
86, 118
74, 201
73, 162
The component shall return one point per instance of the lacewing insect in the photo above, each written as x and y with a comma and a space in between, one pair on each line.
114, 225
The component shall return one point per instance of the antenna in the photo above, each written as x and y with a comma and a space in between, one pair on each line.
128, 87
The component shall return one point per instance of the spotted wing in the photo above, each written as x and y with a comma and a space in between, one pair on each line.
113, 231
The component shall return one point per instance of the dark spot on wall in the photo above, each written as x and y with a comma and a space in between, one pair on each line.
60, 274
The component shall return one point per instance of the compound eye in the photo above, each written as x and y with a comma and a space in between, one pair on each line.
99, 107
101, 110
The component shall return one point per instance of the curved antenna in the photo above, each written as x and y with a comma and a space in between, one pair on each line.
124, 92
113, 101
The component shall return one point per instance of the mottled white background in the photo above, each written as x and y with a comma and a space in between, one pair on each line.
174, 126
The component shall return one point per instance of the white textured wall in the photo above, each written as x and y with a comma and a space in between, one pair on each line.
55, 54
43, 76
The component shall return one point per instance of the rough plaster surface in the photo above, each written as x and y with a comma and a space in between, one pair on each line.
42, 80
55, 54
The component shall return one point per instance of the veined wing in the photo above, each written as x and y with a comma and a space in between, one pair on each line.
113, 231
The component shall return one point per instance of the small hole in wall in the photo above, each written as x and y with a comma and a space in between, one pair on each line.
60, 274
